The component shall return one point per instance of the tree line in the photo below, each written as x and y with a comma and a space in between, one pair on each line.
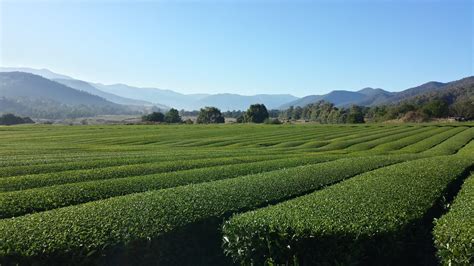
256, 113
11, 119
456, 102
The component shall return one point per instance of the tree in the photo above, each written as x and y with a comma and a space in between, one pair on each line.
172, 116
257, 113
297, 113
154, 117
210, 115
11, 119
356, 115
464, 107
240, 119
436, 108
289, 113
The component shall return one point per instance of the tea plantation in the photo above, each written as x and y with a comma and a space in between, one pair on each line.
375, 194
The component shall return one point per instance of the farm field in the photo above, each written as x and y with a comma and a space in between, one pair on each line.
308, 194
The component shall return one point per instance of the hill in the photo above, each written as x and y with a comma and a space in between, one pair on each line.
223, 101
87, 87
341, 98
370, 96
32, 95
20, 84
456, 94
45, 73
161, 98
154, 95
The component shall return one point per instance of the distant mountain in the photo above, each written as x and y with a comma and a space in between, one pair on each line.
427, 87
227, 101
40, 72
161, 98
87, 87
341, 98
38, 97
448, 91
224, 101
368, 96
154, 95
21, 84
374, 96
96, 93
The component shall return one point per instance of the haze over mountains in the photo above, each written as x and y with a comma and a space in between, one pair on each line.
30, 84
24, 85
367, 96
161, 98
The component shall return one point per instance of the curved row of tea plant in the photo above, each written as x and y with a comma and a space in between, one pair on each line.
16, 203
453, 144
57, 178
432, 141
454, 231
114, 161
364, 146
369, 219
405, 141
89, 157
74, 231
367, 137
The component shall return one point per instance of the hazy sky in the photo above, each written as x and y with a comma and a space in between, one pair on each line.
247, 47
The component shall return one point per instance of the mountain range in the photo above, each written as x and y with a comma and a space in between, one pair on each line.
371, 96
25, 85
43, 84
161, 98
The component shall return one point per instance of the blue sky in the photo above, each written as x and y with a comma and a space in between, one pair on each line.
247, 47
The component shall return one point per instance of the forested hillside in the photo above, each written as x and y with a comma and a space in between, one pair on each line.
451, 100
32, 95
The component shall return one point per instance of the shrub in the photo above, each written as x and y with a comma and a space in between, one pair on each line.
373, 218
454, 231
365, 140
415, 117
405, 141
149, 220
404, 132
74, 176
17, 203
272, 121
452, 144
434, 140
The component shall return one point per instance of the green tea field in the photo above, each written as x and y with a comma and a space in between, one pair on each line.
308, 194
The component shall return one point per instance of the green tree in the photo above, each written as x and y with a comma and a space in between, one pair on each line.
11, 119
289, 113
257, 113
240, 119
436, 108
297, 113
154, 117
356, 115
464, 107
172, 116
210, 115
